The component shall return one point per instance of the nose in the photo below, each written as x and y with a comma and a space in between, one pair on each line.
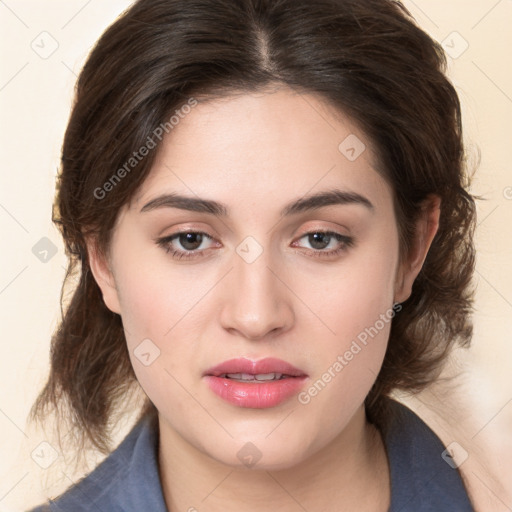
256, 303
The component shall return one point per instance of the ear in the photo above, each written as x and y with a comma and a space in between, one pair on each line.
425, 230
102, 273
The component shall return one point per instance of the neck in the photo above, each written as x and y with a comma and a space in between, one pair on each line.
349, 473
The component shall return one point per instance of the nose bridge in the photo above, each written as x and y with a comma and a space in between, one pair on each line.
256, 300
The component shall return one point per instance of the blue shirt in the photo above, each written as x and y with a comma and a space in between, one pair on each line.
128, 479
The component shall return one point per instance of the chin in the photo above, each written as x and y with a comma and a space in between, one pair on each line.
261, 455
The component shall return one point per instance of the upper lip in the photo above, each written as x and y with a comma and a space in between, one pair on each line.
266, 365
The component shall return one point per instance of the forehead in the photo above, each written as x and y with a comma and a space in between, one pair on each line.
270, 144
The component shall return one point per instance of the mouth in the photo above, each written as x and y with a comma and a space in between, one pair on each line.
255, 384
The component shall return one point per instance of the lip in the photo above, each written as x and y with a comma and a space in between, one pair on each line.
256, 395
244, 365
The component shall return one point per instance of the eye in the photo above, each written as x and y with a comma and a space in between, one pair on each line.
321, 240
190, 241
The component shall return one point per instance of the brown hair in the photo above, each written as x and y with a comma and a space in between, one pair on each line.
366, 58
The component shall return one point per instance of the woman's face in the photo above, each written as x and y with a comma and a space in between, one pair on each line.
262, 281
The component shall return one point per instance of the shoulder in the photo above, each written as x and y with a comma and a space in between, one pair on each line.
126, 480
423, 476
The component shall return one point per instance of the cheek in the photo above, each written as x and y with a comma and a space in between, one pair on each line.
354, 296
160, 304
357, 308
154, 316
156, 296
359, 318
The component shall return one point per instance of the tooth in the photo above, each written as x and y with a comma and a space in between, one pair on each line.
265, 376
251, 377
240, 376
234, 375
268, 376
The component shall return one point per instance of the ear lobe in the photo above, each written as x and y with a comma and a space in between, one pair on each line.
426, 228
102, 273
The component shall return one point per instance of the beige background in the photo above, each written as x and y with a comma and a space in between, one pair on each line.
35, 96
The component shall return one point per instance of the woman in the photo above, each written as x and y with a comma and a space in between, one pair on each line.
268, 203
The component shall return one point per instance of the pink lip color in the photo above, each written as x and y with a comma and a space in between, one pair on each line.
256, 395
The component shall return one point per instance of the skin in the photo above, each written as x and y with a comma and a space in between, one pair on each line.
256, 153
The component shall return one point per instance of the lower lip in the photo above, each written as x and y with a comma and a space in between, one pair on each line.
256, 395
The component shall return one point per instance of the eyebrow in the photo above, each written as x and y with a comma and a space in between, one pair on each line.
303, 204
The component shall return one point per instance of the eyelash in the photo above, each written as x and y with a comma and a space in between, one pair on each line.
165, 242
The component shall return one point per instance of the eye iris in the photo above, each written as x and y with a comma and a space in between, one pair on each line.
187, 239
320, 238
